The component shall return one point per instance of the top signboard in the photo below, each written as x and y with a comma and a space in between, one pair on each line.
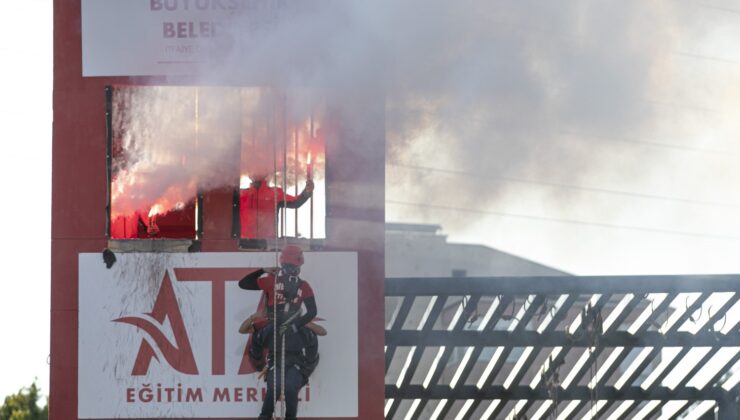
171, 37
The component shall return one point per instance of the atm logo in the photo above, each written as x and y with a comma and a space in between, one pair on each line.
179, 355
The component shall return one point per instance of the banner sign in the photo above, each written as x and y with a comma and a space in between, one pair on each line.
172, 37
158, 336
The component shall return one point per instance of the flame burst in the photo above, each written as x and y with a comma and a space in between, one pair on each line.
160, 158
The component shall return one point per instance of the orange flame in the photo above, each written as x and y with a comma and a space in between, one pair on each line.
156, 209
309, 167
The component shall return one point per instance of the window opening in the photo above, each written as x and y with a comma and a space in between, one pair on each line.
167, 145
154, 138
282, 158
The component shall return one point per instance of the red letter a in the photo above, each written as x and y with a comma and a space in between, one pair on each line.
180, 355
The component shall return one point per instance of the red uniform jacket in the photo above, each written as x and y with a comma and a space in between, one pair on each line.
258, 205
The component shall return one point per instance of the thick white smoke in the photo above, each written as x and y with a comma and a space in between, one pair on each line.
171, 142
520, 89
483, 87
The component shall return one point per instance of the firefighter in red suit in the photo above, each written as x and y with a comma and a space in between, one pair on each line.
259, 204
286, 294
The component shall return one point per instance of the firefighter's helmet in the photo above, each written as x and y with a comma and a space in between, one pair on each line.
292, 254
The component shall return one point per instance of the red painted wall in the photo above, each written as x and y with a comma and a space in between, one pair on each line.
355, 212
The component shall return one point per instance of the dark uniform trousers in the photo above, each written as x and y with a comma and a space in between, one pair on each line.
294, 381
301, 358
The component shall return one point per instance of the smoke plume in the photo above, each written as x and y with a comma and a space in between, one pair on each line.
488, 88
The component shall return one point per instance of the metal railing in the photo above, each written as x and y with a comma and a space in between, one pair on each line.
562, 347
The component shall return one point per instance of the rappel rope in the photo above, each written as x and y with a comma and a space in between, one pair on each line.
286, 305
280, 228
274, 287
281, 363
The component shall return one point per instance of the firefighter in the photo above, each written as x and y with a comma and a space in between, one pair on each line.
259, 204
286, 294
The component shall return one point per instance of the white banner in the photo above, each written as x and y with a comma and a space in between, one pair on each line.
158, 336
172, 37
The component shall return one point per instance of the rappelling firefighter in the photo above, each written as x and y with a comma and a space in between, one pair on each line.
283, 323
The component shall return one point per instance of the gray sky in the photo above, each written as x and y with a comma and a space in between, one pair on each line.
25, 179
596, 140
